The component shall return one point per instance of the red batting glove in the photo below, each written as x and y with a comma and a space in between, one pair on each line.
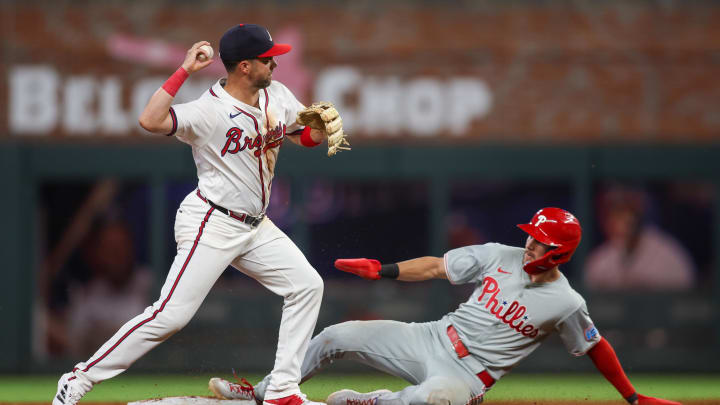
365, 268
643, 400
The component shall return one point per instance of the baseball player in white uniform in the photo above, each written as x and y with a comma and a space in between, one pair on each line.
520, 299
235, 130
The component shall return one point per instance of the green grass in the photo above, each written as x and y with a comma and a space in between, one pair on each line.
131, 387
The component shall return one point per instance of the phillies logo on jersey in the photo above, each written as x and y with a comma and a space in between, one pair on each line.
513, 315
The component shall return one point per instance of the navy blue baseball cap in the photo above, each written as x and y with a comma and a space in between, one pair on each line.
247, 41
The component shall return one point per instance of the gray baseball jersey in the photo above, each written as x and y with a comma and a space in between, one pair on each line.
508, 316
505, 319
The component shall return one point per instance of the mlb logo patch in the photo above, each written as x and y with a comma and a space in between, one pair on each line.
590, 333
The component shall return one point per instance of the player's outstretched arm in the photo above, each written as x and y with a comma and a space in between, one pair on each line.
422, 268
606, 361
156, 115
322, 116
309, 137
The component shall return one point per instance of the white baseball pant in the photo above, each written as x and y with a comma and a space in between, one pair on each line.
207, 242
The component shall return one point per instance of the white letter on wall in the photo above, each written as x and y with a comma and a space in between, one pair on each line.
112, 119
334, 85
33, 100
469, 99
425, 107
79, 117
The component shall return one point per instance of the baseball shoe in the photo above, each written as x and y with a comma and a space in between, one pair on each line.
68, 391
225, 389
296, 399
350, 397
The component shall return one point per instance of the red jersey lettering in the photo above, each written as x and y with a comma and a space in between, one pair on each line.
513, 313
232, 145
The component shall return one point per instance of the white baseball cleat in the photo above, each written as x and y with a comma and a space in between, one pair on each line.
350, 397
225, 389
295, 399
68, 391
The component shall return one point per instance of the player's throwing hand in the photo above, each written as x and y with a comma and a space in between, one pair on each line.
192, 63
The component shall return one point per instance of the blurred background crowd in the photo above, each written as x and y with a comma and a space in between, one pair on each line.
465, 118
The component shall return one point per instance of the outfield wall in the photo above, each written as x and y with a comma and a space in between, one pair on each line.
654, 331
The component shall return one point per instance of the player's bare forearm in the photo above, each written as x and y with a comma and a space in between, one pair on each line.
293, 138
318, 136
156, 115
422, 268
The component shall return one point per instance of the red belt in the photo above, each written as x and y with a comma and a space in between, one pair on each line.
462, 351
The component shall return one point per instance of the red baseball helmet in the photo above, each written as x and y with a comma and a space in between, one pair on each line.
557, 228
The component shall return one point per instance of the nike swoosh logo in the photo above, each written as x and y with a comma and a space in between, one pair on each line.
503, 271
234, 115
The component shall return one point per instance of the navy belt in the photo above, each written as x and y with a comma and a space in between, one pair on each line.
248, 219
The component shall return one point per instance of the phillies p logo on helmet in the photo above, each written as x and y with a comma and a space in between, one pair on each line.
553, 227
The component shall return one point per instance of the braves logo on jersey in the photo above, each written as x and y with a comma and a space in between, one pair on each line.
275, 136
235, 142
513, 315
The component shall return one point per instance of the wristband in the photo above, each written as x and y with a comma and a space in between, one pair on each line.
306, 140
389, 271
632, 398
173, 83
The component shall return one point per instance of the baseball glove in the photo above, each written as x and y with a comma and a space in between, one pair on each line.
323, 116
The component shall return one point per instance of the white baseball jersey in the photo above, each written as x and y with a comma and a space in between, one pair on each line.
235, 145
508, 316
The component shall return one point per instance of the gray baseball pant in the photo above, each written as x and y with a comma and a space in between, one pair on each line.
412, 351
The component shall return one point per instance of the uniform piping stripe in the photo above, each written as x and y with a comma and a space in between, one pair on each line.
174, 121
445, 265
262, 184
213, 93
172, 290
257, 129
267, 101
267, 120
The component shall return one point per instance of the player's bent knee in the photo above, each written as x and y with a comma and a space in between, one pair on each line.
441, 397
170, 321
445, 391
333, 337
342, 337
329, 335
317, 286
313, 286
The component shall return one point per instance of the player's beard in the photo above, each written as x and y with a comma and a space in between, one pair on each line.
263, 82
